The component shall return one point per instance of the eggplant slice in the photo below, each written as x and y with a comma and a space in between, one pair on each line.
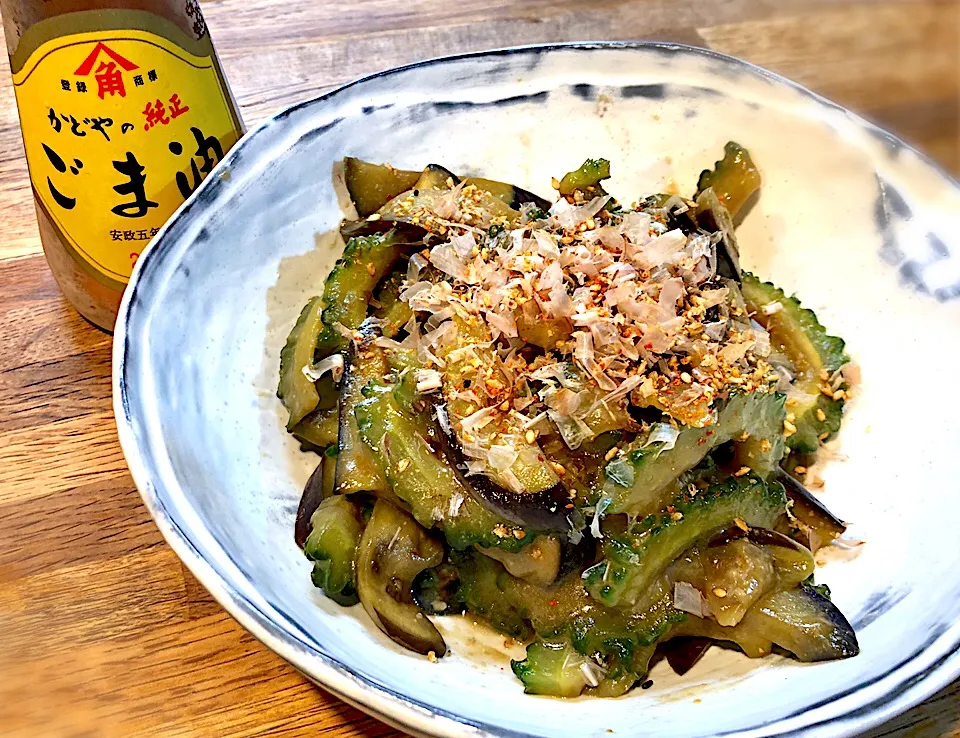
538, 563
437, 177
541, 510
805, 623
799, 620
511, 195
792, 560
371, 186
713, 217
821, 526
393, 550
309, 502
684, 652
760, 536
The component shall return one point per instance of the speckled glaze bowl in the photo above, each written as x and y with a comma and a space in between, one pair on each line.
862, 227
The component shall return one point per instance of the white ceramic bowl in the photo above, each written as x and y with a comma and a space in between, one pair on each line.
858, 224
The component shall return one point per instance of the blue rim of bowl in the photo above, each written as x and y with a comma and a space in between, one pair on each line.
365, 693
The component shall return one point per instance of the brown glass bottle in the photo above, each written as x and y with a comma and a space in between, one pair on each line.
124, 110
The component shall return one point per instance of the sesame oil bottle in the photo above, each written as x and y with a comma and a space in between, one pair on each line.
124, 110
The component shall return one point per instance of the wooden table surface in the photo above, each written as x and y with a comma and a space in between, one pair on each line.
102, 631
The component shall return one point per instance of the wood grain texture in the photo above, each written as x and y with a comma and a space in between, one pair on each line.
102, 631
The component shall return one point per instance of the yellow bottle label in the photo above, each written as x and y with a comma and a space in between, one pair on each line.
119, 127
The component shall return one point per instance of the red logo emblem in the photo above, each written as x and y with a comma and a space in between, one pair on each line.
108, 76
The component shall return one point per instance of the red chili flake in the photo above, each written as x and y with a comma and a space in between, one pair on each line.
701, 441
648, 346
553, 603
709, 433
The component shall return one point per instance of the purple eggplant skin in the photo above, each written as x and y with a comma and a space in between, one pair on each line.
684, 652
541, 511
712, 216
809, 510
522, 197
760, 536
807, 624
309, 502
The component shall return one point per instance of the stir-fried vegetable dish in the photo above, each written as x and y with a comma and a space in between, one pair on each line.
577, 421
